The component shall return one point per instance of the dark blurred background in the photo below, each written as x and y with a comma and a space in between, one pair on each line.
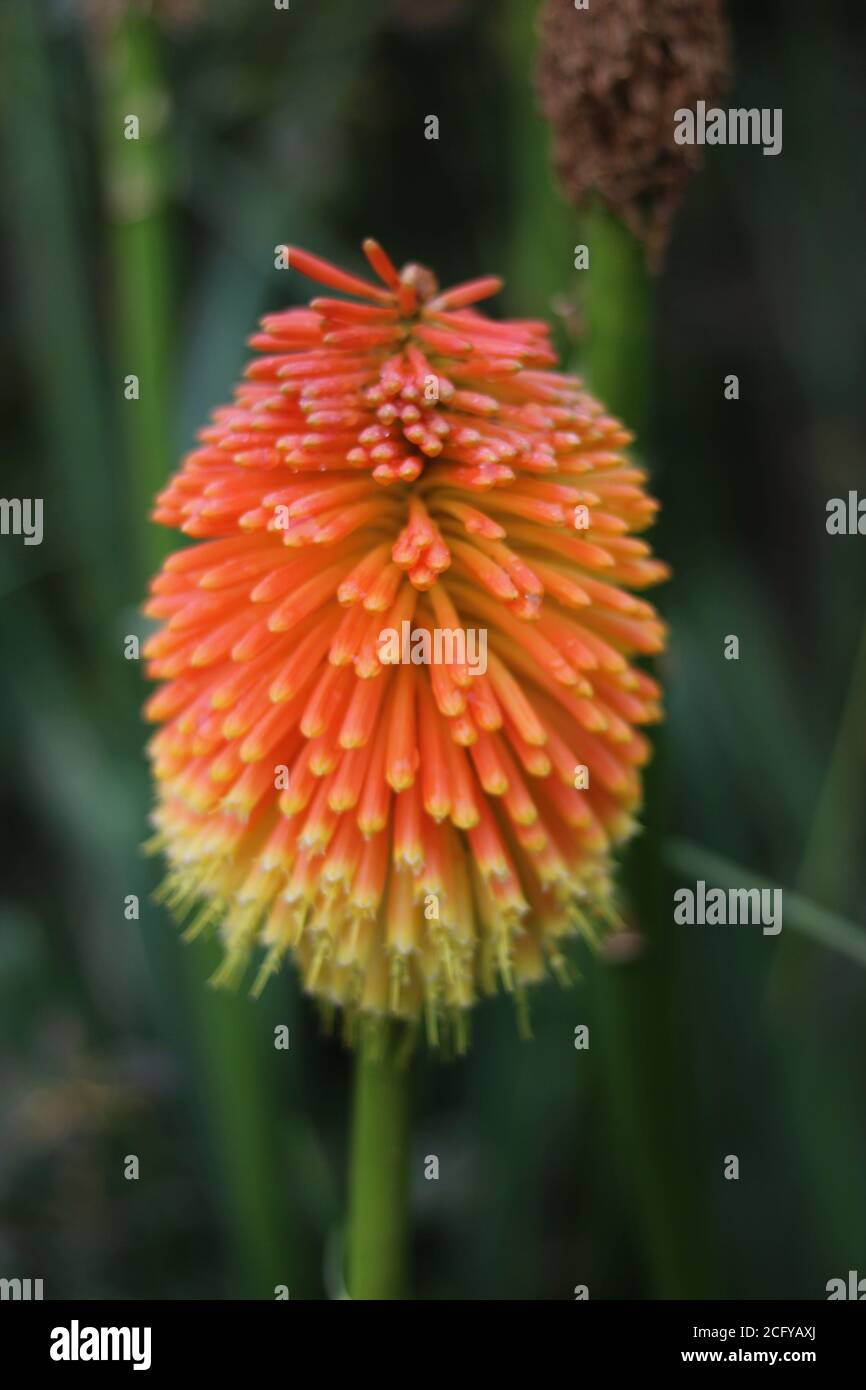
557, 1167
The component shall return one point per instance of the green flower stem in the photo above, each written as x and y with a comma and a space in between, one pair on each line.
379, 1172
646, 1051
226, 1036
618, 310
240, 1077
136, 186
652, 1110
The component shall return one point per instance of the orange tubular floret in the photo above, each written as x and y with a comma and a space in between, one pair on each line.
399, 463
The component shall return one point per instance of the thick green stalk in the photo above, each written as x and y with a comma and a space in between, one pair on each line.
136, 183
651, 1109
651, 1098
227, 1040
241, 1077
618, 310
541, 224
379, 1172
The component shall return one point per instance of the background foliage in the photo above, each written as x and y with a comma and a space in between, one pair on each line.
558, 1167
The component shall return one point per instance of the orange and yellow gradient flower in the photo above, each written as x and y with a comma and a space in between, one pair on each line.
411, 833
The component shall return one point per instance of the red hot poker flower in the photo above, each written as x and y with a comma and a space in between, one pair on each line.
399, 707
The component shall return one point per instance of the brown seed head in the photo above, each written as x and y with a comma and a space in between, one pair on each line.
609, 80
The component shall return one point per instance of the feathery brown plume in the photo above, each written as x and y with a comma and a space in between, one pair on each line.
609, 80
